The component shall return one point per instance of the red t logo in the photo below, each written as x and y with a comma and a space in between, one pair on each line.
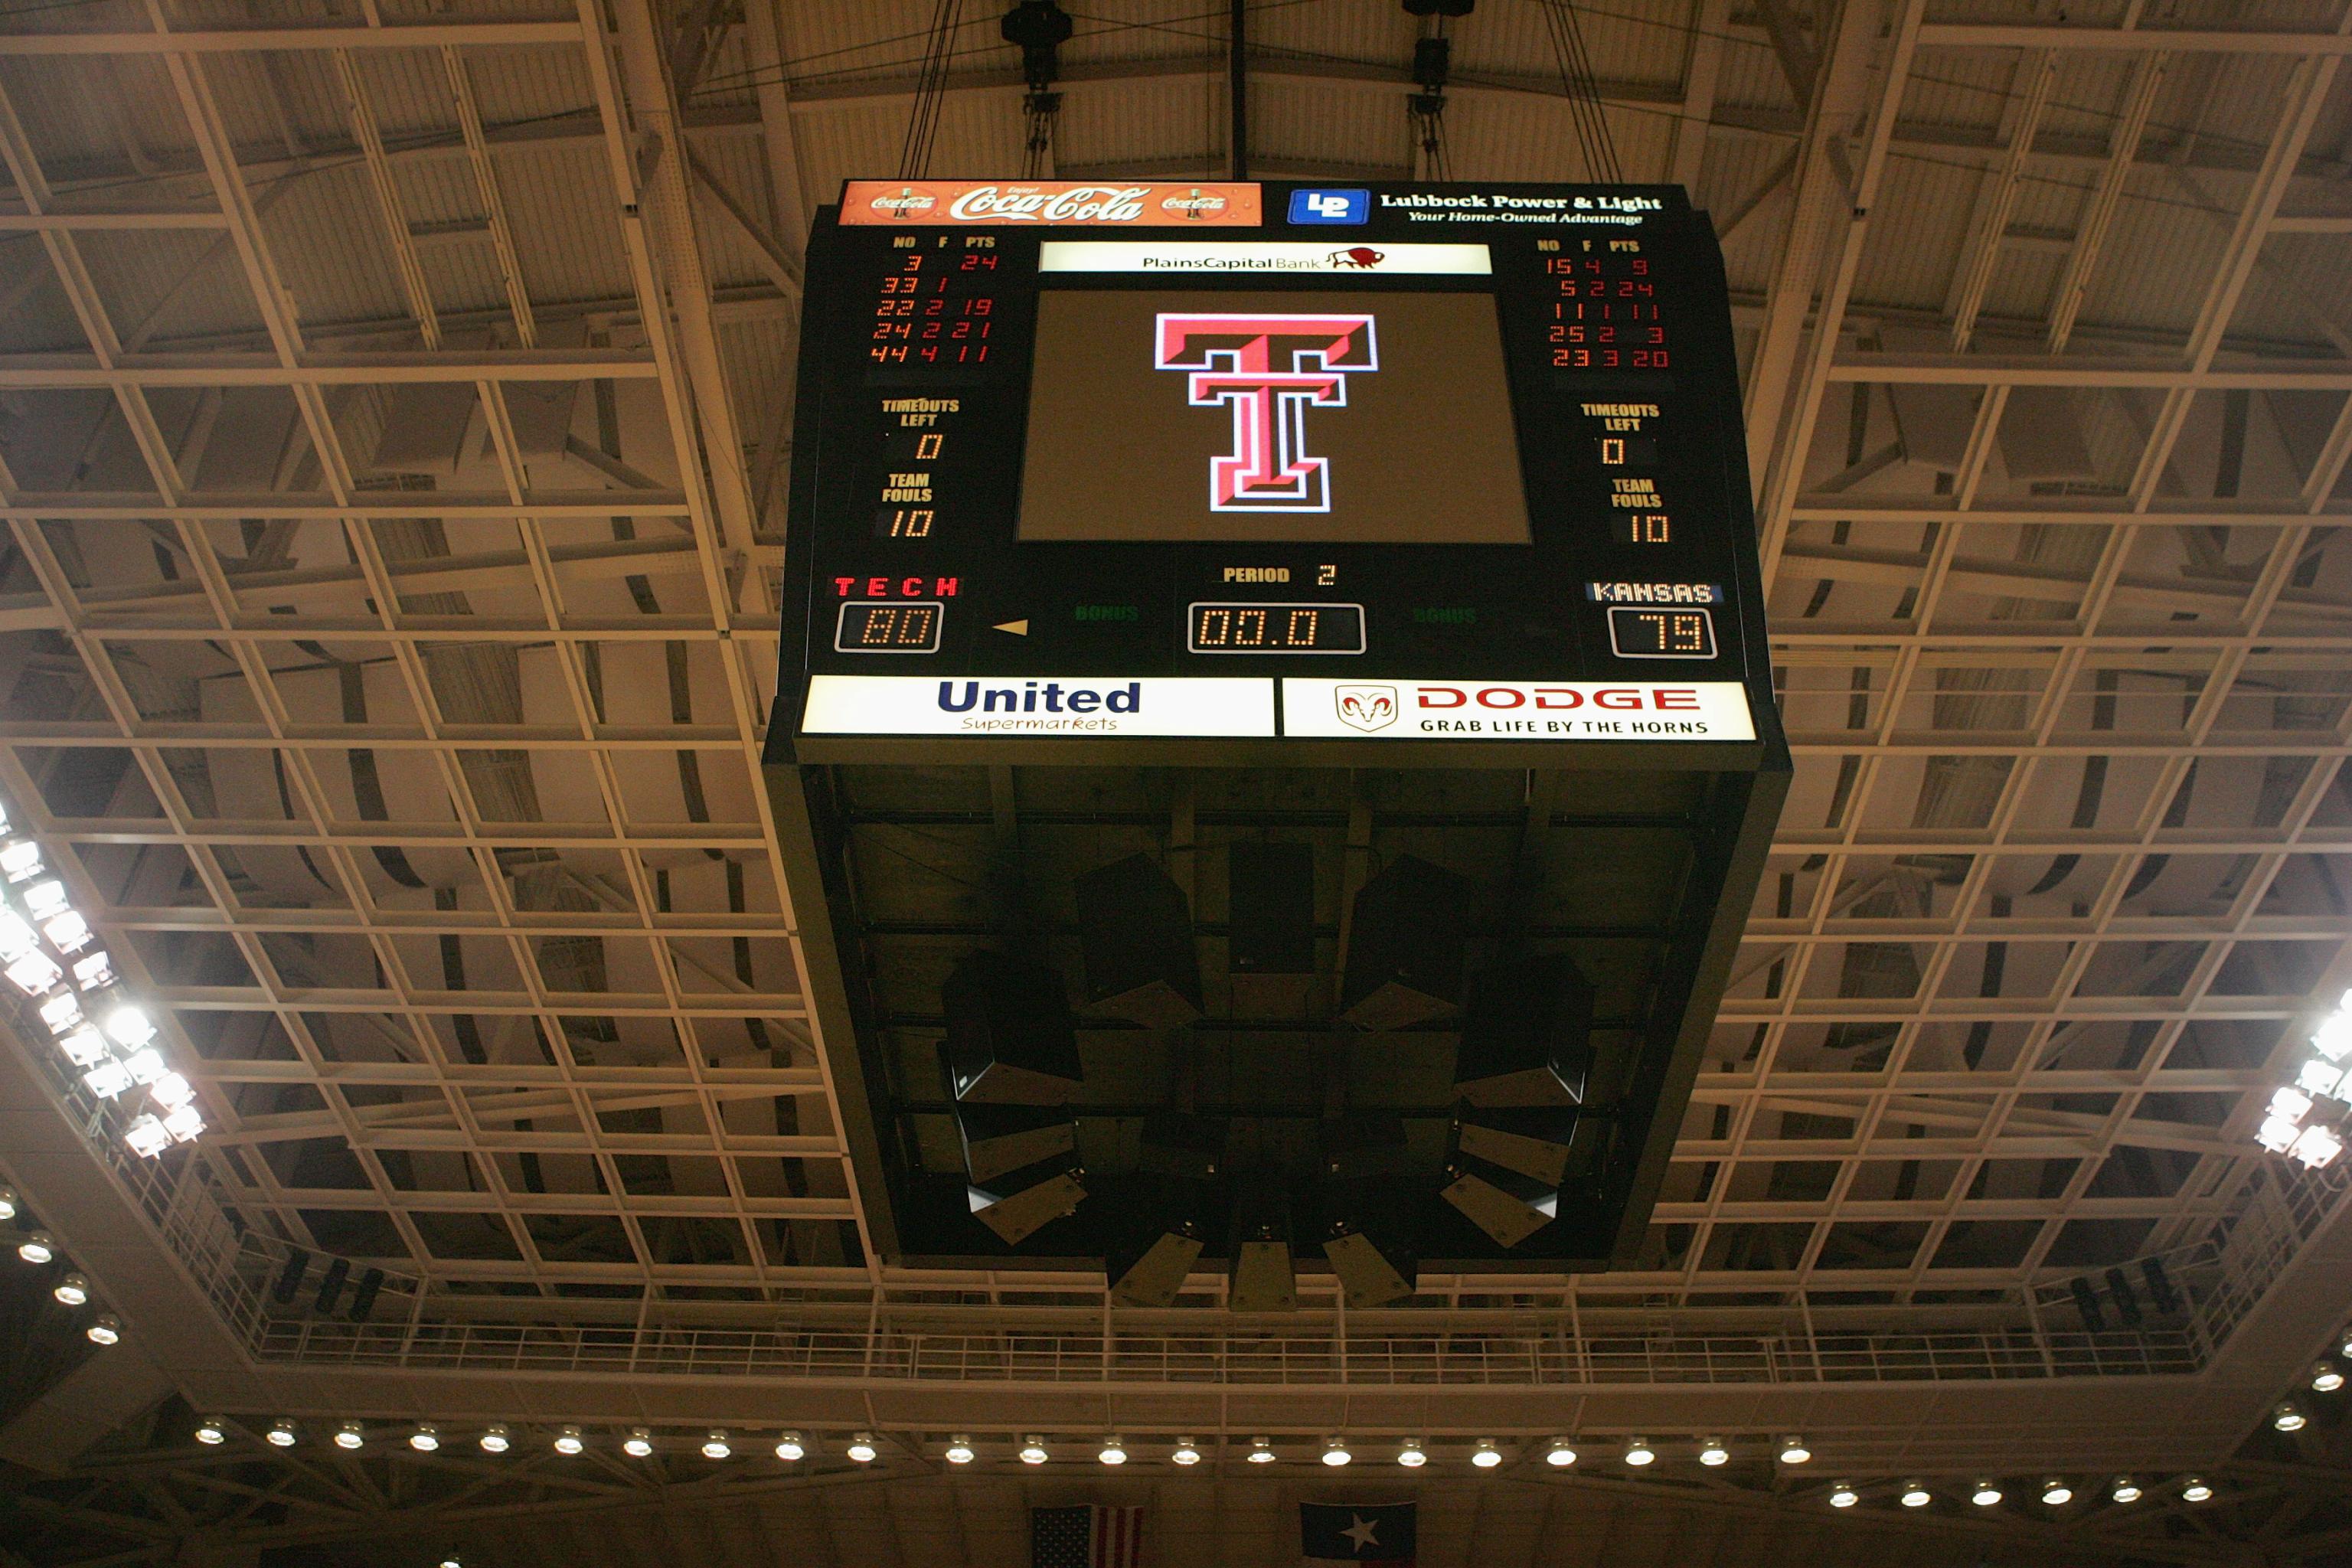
1234, 361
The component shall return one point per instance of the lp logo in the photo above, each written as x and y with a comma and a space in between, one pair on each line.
1331, 206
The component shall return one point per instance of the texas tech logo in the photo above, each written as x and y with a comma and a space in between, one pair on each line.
1366, 707
1267, 369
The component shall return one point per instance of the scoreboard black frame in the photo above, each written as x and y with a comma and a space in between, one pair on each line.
1623, 632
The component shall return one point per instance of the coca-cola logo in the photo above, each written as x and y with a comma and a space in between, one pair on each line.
1078, 204
903, 202
1194, 204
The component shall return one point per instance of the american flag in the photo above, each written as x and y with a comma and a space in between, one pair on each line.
1086, 1536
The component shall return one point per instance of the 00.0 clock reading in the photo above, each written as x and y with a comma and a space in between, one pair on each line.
1275, 628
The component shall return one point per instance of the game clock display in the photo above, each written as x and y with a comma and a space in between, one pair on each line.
1457, 433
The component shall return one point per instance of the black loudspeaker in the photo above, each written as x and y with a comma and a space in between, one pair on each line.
1178, 1145
1137, 933
999, 1139
1405, 945
331, 1287
289, 1278
2087, 1301
2126, 1298
1509, 1207
1366, 1222
2160, 1285
1357, 1147
1264, 1275
363, 1298
1532, 1141
1019, 1203
1010, 1037
1527, 1036
1160, 1241
1270, 927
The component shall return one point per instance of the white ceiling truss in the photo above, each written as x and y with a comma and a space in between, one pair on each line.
393, 408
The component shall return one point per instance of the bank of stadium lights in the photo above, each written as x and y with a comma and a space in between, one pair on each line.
2307, 1119
49, 953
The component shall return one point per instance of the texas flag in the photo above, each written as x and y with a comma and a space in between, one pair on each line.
1355, 1533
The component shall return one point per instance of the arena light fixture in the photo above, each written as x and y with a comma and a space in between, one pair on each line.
1113, 1451
1411, 1455
349, 1437
1793, 1450
73, 1291
426, 1438
495, 1439
1560, 1454
2057, 1493
1843, 1496
569, 1442
1485, 1455
1335, 1453
2196, 1491
280, 1435
106, 1330
717, 1446
1032, 1451
960, 1450
790, 1449
2126, 1489
1712, 1453
37, 1247
2288, 1417
1986, 1495
1638, 1452
1185, 1453
638, 1444
211, 1431
7, 1203
2326, 1378
1261, 1451
862, 1449
1915, 1496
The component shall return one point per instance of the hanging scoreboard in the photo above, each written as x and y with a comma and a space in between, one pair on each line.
1275, 741
1164, 468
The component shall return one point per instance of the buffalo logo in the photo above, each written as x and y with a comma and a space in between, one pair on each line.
1267, 369
903, 202
1366, 707
1194, 204
1362, 256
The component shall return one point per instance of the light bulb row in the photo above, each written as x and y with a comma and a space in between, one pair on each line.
38, 1248
49, 953
2055, 1491
639, 1442
2306, 1118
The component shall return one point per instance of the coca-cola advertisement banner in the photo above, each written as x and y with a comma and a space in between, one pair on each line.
903, 203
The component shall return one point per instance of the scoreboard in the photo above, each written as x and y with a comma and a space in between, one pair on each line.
1274, 742
1126, 468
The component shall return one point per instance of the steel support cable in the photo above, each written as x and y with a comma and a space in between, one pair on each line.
1584, 92
930, 92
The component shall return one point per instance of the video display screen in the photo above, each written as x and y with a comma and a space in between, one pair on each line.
1340, 416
